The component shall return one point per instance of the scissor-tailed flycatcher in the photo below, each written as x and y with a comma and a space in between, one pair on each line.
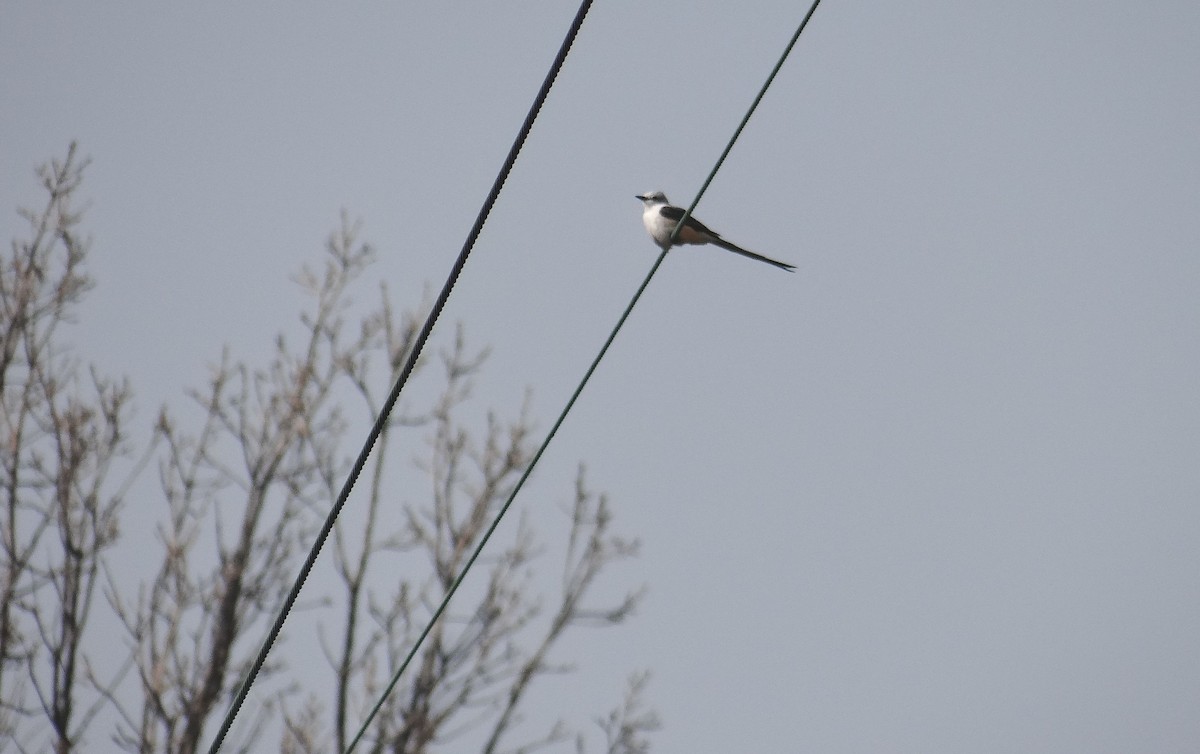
661, 218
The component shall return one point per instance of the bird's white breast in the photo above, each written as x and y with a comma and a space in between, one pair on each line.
657, 226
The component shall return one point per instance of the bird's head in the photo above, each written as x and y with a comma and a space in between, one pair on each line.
654, 197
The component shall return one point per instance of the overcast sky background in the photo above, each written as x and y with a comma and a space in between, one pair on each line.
937, 491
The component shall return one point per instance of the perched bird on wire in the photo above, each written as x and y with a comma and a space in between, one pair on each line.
660, 218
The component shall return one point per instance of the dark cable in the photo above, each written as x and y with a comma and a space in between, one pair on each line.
571, 401
746, 119
422, 337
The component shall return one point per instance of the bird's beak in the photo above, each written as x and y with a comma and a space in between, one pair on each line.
640, 197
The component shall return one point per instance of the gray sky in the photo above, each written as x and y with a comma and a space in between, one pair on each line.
937, 491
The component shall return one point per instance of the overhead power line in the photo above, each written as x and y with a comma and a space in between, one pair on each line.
402, 379
578, 390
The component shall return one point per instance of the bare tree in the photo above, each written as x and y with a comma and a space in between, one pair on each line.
62, 436
248, 471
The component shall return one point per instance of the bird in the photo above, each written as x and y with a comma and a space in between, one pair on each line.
660, 218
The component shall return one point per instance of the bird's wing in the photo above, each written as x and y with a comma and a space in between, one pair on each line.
674, 214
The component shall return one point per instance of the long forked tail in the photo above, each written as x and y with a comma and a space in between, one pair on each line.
739, 250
